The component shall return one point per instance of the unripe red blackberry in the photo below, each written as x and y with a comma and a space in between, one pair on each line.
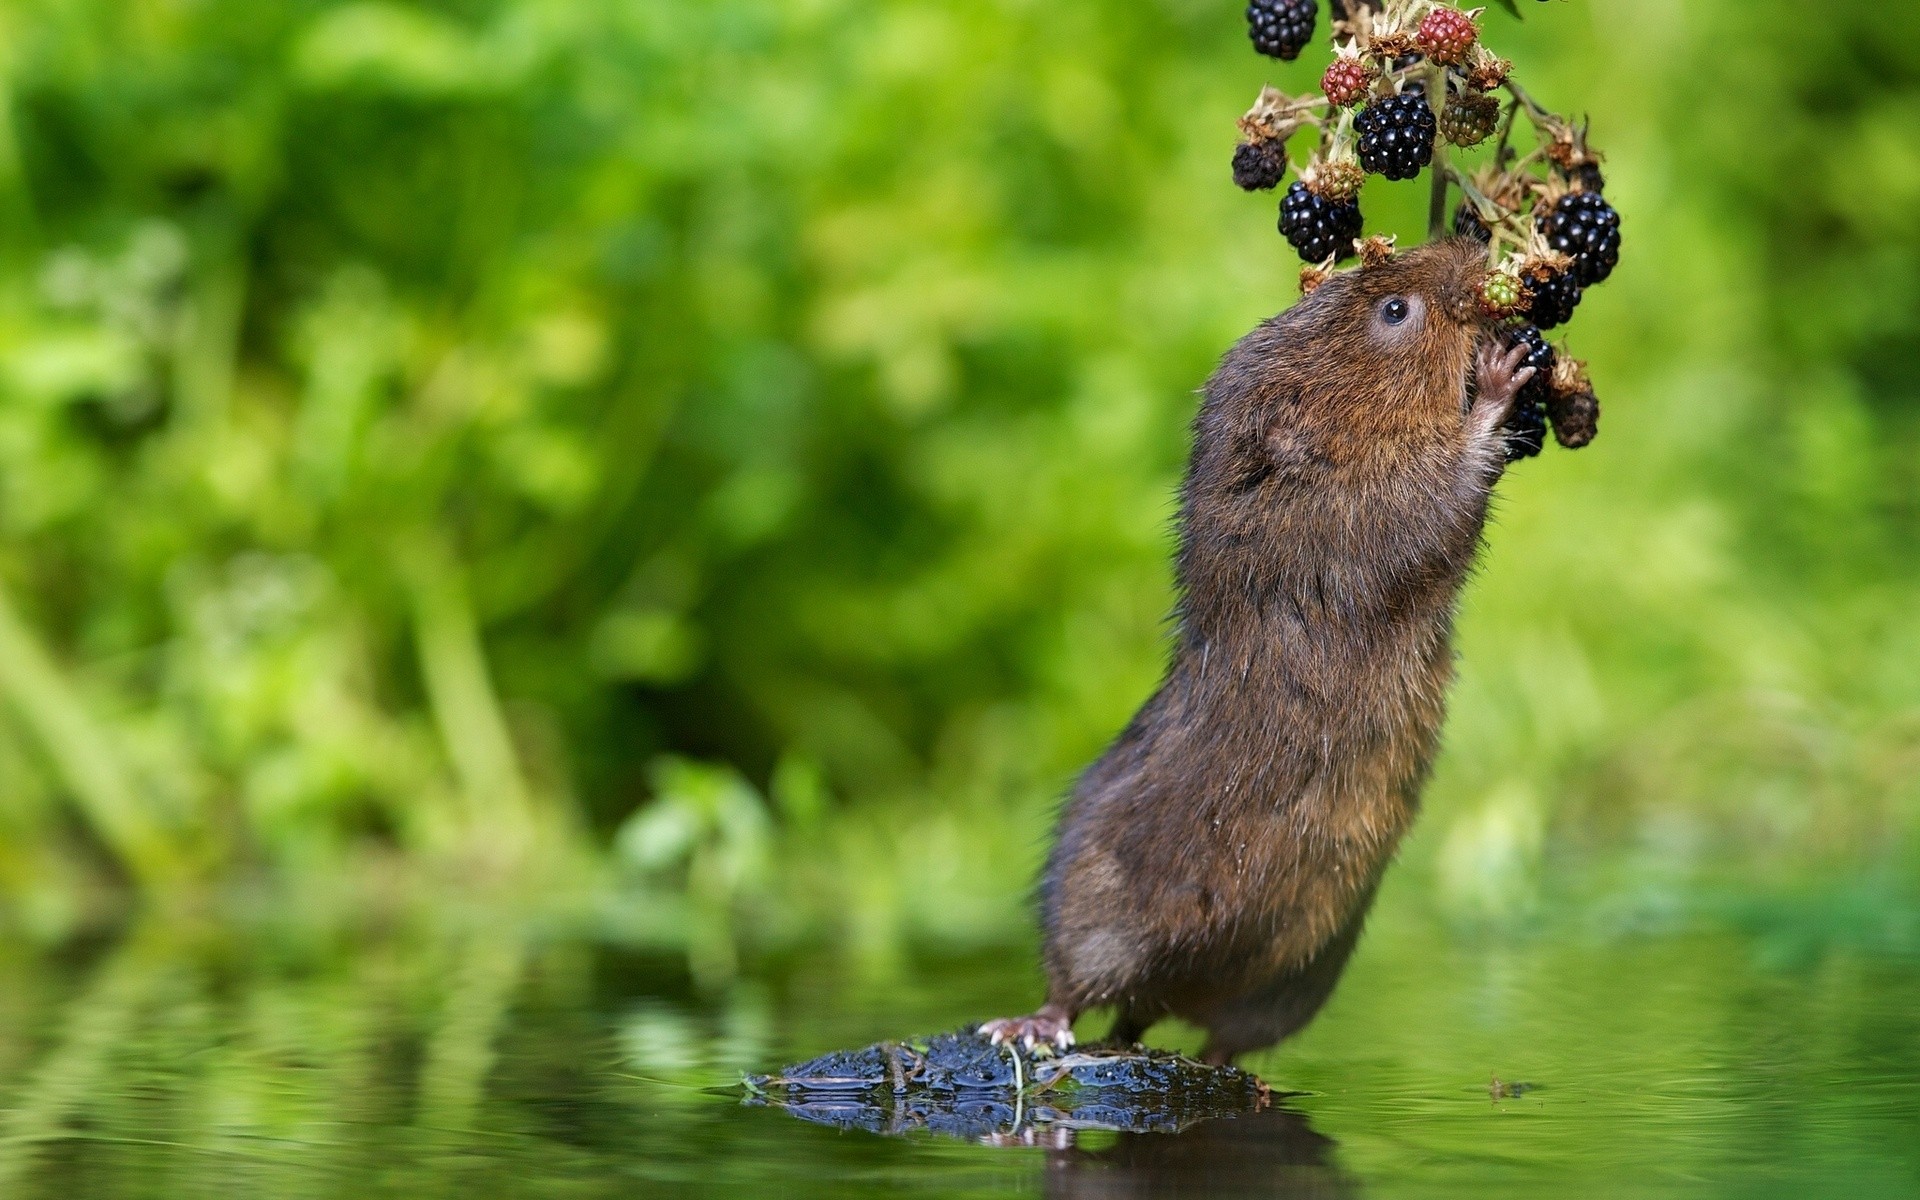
1346, 78
1554, 299
1259, 165
1316, 227
1447, 35
1281, 28
1396, 136
1585, 228
1470, 119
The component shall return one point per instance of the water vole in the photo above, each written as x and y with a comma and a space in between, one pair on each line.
1217, 861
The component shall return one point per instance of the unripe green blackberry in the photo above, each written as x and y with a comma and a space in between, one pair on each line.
1470, 119
1396, 136
1259, 165
1317, 228
1281, 28
1502, 294
1585, 228
1338, 180
1554, 299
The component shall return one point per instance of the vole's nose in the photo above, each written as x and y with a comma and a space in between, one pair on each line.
1461, 294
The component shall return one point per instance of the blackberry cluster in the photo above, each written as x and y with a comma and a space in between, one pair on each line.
1281, 28
1396, 136
1317, 227
1526, 425
1585, 228
1554, 299
1259, 165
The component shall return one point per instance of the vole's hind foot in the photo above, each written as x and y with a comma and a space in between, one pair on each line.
1052, 1025
1498, 378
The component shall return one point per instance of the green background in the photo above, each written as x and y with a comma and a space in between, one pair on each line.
711, 463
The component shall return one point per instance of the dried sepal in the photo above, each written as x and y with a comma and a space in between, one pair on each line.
1275, 116
1314, 274
1375, 251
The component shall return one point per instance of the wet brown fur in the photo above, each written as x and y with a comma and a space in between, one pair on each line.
1217, 862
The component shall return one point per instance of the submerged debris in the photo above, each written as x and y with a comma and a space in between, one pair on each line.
961, 1085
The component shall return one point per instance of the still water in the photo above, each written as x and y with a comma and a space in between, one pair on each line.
490, 1057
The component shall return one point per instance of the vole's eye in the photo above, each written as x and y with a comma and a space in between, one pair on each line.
1395, 311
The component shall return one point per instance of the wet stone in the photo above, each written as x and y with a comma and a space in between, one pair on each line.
961, 1085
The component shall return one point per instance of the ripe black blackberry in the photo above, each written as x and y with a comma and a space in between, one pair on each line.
1540, 357
1467, 223
1259, 165
1554, 299
1525, 429
1396, 136
1317, 227
1281, 28
1585, 228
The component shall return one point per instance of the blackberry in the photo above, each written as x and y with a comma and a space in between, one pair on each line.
1576, 417
1526, 426
1396, 136
1259, 165
1467, 223
1585, 228
1525, 430
1540, 357
1281, 28
1447, 34
1502, 294
1470, 119
1346, 78
1554, 299
1316, 227
1588, 176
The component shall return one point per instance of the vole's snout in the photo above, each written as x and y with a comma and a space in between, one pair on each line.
1460, 292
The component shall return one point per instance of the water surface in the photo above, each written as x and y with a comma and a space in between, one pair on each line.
486, 1058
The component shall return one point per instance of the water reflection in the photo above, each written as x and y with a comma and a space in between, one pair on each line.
1274, 1153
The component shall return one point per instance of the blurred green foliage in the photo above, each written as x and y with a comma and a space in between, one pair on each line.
448, 431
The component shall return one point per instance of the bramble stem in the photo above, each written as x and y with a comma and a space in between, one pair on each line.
1437, 203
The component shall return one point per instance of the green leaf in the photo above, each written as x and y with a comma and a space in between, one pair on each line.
1513, 7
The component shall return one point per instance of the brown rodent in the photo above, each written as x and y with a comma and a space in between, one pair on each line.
1217, 862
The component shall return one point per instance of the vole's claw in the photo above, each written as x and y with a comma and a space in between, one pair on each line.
1053, 1028
1498, 379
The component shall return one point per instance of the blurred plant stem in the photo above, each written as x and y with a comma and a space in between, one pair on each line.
115, 808
499, 806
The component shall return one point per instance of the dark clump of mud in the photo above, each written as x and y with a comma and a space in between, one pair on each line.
961, 1085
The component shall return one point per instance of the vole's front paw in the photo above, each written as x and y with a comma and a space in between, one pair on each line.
1049, 1025
1498, 378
